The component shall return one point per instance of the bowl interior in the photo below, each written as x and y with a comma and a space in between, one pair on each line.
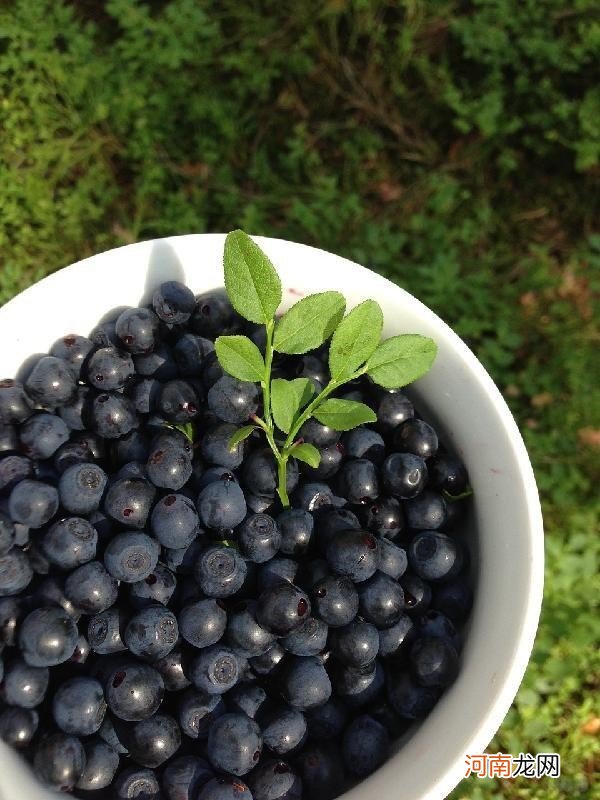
457, 395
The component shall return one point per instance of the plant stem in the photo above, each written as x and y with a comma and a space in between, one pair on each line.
282, 480
266, 382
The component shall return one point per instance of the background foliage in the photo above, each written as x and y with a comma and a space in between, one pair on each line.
451, 145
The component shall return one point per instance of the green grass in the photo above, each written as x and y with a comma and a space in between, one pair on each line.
452, 146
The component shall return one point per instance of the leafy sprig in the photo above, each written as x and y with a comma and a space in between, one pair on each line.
356, 349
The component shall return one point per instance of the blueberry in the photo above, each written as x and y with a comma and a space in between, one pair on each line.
313, 496
184, 777
322, 772
417, 594
232, 400
69, 454
183, 559
135, 782
276, 571
426, 512
70, 542
359, 686
78, 706
16, 572
113, 415
171, 667
144, 395
178, 401
259, 537
282, 608
245, 633
213, 313
392, 410
169, 468
356, 644
320, 435
353, 553
137, 329
268, 662
101, 765
50, 383
196, 712
335, 600
448, 473
211, 371
327, 721
9, 439
275, 780
313, 368
47, 637
225, 789
305, 682
381, 600
42, 434
364, 443
159, 364
434, 556
95, 444
33, 503
154, 740
202, 623
220, 571
108, 734
259, 473
158, 587
404, 475
191, 352
109, 368
133, 446
436, 625
173, 438
131, 556
129, 500
151, 633
296, 527
394, 640
134, 691
285, 730
384, 517
330, 460
104, 334
357, 481
250, 699
24, 685
309, 639
365, 745
234, 744
331, 520
175, 521
14, 468
214, 447
15, 405
454, 599
392, 559
18, 725
416, 436
91, 588
408, 699
74, 350
59, 761
434, 661
104, 632
10, 612
215, 670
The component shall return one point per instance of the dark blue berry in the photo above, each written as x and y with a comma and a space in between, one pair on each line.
18, 726
33, 503
101, 764
232, 400
134, 691
364, 443
275, 780
220, 571
335, 600
448, 473
454, 599
353, 553
109, 369
417, 594
76, 413
259, 537
113, 415
9, 439
213, 313
234, 744
282, 608
276, 571
16, 572
216, 669
191, 353
284, 730
358, 481
404, 475
137, 329
151, 633
74, 350
434, 556
15, 404
202, 623
14, 468
392, 559
91, 588
24, 685
244, 632
137, 783
418, 437
131, 556
269, 662
259, 473
381, 600
434, 661
305, 682
296, 527
178, 401
174, 521
320, 435
159, 364
322, 772
144, 395
221, 505
408, 699
171, 667
50, 383
70, 542
313, 496
392, 410
309, 639
215, 449
184, 777
169, 467
250, 699
427, 512
225, 789
327, 721
59, 761
330, 460
47, 637
158, 587
81, 488
384, 517
365, 744
356, 644
394, 640
42, 434
78, 706
196, 712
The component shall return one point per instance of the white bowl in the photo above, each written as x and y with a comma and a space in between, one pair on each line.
457, 394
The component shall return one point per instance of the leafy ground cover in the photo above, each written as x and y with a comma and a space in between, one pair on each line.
452, 146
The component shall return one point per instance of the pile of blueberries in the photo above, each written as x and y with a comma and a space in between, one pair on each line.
167, 629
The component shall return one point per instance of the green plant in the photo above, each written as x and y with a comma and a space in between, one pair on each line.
356, 349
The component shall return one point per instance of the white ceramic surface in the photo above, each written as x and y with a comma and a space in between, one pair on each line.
457, 394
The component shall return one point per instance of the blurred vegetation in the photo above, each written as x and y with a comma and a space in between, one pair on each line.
452, 146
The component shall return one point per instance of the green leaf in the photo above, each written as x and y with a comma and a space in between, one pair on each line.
287, 398
251, 281
400, 360
343, 415
240, 357
240, 435
309, 323
187, 428
355, 339
308, 453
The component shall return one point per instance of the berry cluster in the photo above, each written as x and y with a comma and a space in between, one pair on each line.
167, 628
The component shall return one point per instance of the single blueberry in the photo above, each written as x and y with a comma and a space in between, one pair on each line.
153, 741
138, 783
216, 669
109, 368
233, 400
74, 350
384, 517
220, 571
245, 633
259, 473
59, 761
33, 503
70, 542
101, 764
113, 415
191, 353
365, 745
305, 682
364, 443
158, 587
408, 699
309, 639
225, 789
42, 434
47, 637
16, 572
234, 744
284, 730
78, 706
202, 623
381, 600
184, 777
259, 537
215, 449
392, 410
268, 662
275, 780
358, 481
91, 588
134, 691
326, 722
24, 685
353, 553
151, 633
178, 401
282, 608
296, 527
434, 661
321, 771
356, 644
14, 468
50, 383
393, 641
105, 631
18, 726
404, 475
418, 437
15, 404
417, 594
335, 600
393, 560
434, 556
174, 521
196, 712
137, 329
171, 667
131, 556
81, 488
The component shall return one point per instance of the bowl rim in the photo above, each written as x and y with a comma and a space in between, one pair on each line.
511, 680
